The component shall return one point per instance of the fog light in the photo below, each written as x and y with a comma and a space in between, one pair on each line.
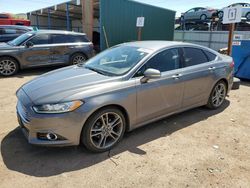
51, 136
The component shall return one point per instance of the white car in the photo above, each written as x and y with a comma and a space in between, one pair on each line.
199, 13
245, 10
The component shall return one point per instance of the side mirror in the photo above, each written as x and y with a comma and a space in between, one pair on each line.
150, 74
28, 44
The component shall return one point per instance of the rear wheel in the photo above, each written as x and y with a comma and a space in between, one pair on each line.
103, 130
203, 17
8, 66
248, 16
78, 58
220, 15
218, 95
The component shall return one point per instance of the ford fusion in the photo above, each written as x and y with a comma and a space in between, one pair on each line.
121, 89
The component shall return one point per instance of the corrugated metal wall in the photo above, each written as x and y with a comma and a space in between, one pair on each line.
119, 20
212, 39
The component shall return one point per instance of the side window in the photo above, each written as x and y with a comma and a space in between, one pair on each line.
21, 31
10, 31
40, 39
163, 61
193, 56
80, 38
210, 55
191, 10
57, 39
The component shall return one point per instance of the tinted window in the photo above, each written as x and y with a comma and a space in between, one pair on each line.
210, 55
40, 39
194, 56
9, 31
165, 61
4, 16
68, 38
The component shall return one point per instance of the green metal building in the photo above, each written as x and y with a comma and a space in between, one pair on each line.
118, 22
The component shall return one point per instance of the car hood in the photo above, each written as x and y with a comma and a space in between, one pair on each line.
5, 46
57, 85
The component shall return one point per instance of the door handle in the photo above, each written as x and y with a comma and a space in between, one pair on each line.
176, 76
211, 68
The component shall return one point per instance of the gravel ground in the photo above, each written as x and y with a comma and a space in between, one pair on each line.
197, 148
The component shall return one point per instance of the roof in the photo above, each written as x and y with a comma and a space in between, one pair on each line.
17, 26
58, 32
157, 44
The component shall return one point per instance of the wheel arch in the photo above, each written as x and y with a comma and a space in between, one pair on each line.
10, 56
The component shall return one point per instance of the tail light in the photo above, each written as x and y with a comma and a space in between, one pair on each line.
211, 10
232, 64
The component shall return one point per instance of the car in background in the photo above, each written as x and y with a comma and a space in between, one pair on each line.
121, 89
10, 32
245, 10
7, 19
199, 13
44, 48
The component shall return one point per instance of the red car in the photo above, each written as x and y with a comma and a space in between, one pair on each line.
7, 19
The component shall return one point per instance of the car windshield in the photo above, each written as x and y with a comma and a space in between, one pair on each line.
19, 40
117, 61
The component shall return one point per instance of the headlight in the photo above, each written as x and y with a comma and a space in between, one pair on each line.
57, 108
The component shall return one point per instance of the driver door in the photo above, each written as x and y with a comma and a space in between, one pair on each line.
38, 54
159, 97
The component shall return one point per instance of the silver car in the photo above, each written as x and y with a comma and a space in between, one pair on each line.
121, 89
245, 10
199, 13
44, 48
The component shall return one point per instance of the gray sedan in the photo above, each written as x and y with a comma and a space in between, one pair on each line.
121, 89
44, 48
199, 13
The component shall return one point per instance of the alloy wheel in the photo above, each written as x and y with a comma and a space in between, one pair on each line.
219, 94
78, 59
7, 67
106, 130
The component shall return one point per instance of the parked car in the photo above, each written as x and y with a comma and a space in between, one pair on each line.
199, 13
10, 32
44, 48
121, 89
245, 10
7, 19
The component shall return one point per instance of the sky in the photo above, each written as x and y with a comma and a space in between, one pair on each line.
24, 6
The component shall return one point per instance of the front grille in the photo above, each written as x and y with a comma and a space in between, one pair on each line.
23, 112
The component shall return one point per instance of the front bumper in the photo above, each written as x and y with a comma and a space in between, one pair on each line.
67, 126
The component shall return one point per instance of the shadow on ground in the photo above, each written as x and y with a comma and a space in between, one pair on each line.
22, 157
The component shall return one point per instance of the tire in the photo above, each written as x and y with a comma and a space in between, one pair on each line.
248, 16
203, 17
97, 136
218, 95
220, 15
78, 58
8, 66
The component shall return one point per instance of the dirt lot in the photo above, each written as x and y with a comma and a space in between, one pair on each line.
197, 148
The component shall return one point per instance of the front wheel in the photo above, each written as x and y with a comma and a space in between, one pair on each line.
217, 96
8, 66
220, 15
203, 17
103, 130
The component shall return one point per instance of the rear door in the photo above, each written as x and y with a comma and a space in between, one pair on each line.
39, 53
162, 96
198, 75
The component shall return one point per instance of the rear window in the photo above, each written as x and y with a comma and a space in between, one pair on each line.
194, 56
59, 38
210, 55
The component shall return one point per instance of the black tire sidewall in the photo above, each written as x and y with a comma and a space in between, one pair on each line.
204, 16
85, 135
16, 64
